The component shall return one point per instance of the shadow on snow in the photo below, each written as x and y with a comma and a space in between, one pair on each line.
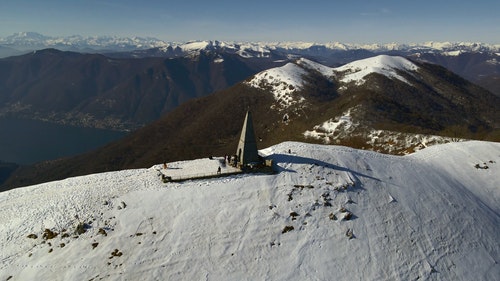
294, 159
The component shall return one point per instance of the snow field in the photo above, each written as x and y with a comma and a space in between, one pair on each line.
430, 215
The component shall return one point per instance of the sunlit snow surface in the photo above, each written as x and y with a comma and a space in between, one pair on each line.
432, 215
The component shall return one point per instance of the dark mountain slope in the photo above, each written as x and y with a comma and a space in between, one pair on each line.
436, 100
97, 91
481, 68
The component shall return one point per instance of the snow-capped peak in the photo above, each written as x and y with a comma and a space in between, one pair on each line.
282, 81
382, 64
246, 50
196, 45
285, 80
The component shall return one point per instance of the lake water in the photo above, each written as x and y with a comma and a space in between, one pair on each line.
29, 141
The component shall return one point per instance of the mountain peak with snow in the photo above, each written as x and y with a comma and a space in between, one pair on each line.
286, 80
330, 212
281, 81
388, 66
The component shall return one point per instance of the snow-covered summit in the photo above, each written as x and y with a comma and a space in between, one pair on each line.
285, 80
329, 213
382, 64
282, 81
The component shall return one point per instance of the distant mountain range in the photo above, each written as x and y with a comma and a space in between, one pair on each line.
385, 103
31, 41
136, 80
478, 62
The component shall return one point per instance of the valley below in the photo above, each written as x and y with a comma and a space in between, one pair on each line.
27, 141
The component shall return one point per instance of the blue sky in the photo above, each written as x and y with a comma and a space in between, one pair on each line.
347, 21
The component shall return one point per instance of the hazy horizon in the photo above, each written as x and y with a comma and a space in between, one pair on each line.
360, 22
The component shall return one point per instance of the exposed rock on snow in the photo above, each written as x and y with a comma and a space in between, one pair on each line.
332, 128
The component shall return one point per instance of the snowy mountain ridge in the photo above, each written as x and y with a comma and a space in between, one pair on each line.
382, 64
30, 40
27, 40
438, 46
287, 79
330, 212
